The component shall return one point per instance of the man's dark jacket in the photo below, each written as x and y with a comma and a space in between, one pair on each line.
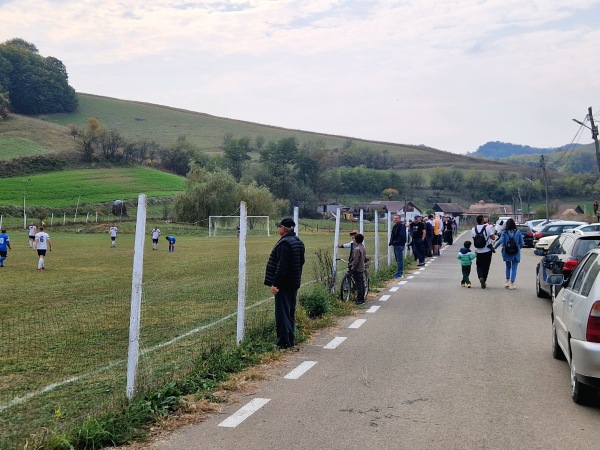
284, 268
398, 236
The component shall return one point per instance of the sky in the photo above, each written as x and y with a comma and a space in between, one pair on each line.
448, 74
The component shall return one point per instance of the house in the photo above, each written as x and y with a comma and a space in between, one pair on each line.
448, 209
490, 209
568, 210
330, 208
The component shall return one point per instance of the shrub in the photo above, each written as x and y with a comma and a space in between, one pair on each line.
316, 301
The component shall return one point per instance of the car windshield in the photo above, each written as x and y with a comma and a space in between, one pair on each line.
585, 245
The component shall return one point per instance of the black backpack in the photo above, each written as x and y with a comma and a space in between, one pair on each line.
511, 247
480, 240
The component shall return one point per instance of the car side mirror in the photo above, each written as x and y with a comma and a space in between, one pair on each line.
555, 279
539, 252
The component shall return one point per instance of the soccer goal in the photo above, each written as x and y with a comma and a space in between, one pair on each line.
228, 225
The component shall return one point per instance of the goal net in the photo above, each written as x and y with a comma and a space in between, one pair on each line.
229, 226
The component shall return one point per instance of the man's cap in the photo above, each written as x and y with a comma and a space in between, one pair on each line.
417, 216
353, 232
287, 222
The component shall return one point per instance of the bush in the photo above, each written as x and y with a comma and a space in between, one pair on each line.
316, 301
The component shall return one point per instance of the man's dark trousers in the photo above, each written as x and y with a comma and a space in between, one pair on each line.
285, 317
483, 262
359, 284
419, 249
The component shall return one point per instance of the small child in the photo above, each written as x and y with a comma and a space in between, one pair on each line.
466, 258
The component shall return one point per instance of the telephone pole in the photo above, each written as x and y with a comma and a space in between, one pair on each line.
543, 165
594, 130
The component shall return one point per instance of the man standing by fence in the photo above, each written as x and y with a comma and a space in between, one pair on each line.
283, 275
398, 241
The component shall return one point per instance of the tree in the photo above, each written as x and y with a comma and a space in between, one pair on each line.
235, 152
389, 193
4, 103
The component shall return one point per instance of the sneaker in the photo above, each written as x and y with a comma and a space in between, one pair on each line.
469, 285
506, 284
420, 264
512, 286
463, 285
482, 281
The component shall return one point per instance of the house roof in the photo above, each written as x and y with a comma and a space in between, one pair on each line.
489, 208
562, 208
448, 208
391, 206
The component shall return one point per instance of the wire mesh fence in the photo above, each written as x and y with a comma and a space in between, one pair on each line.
64, 333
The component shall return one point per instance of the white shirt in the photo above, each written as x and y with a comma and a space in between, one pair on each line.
155, 233
489, 231
42, 240
32, 230
113, 231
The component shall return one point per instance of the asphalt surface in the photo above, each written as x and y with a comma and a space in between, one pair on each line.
436, 366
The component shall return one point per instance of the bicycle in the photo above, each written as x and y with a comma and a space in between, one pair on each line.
347, 286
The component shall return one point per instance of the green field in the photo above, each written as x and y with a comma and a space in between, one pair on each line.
66, 188
71, 321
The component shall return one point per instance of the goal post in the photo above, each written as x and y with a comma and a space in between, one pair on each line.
229, 225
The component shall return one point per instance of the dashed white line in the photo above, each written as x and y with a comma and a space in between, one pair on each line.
384, 298
300, 370
244, 412
394, 289
373, 308
335, 342
357, 323
410, 277
402, 282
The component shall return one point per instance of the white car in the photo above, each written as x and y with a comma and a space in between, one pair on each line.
545, 242
576, 327
500, 224
586, 229
536, 224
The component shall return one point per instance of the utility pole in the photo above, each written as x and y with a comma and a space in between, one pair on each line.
543, 165
594, 130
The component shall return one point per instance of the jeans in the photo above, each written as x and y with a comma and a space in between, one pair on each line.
419, 250
511, 270
399, 254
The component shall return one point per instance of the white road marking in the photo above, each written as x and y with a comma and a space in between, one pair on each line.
373, 308
357, 323
410, 277
402, 282
300, 370
244, 412
335, 342
384, 298
394, 289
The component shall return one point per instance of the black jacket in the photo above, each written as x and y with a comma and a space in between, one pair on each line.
284, 268
398, 236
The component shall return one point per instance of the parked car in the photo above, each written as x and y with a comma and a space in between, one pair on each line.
555, 228
527, 233
500, 224
541, 246
562, 257
576, 328
536, 224
583, 229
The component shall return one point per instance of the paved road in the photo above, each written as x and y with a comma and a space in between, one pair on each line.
437, 366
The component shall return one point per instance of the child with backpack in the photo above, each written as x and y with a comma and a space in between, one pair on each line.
512, 241
466, 257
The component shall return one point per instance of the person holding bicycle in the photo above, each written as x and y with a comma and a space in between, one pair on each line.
357, 267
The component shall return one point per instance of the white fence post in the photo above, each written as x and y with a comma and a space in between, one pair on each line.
136, 297
242, 273
336, 240
389, 236
361, 223
376, 241
297, 230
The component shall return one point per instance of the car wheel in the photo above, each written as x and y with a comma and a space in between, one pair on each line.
582, 394
538, 289
557, 352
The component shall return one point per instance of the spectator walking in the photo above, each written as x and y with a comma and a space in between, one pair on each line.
466, 257
398, 241
4, 247
512, 242
483, 236
42, 243
283, 276
418, 240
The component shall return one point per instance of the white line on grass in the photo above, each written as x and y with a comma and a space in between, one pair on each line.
244, 412
335, 342
300, 370
357, 323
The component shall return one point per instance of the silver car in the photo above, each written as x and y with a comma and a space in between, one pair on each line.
576, 327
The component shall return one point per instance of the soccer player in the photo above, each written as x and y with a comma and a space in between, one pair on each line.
42, 243
171, 240
113, 235
32, 231
155, 236
4, 247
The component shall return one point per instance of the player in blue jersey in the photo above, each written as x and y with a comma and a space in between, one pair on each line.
171, 240
4, 247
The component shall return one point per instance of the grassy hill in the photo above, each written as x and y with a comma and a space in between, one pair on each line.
165, 124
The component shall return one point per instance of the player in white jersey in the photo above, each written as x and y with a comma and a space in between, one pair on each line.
32, 231
113, 235
155, 235
42, 243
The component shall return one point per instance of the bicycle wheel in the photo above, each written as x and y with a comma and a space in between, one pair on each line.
366, 281
346, 288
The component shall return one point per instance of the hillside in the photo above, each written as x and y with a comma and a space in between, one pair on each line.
165, 124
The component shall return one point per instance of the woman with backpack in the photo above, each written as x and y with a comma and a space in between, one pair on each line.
512, 241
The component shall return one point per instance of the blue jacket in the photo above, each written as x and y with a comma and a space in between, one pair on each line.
518, 237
